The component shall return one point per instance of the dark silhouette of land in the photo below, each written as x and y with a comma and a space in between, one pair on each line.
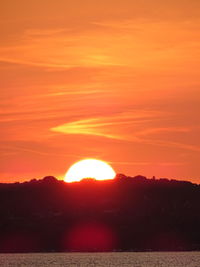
125, 214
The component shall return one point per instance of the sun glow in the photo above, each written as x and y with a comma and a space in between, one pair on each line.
89, 168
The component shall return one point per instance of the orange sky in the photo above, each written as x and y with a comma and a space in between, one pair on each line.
113, 80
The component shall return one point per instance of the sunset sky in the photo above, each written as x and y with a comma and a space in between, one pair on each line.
111, 79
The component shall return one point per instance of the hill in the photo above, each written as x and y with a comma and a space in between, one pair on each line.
124, 214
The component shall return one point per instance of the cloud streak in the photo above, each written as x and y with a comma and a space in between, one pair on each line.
112, 127
108, 126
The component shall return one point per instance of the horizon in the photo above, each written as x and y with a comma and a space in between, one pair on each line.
115, 80
88, 179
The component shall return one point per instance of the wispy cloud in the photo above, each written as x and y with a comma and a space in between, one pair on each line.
177, 145
109, 126
164, 130
102, 47
146, 163
65, 50
115, 127
15, 149
69, 93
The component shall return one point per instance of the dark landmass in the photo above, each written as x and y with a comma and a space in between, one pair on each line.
125, 214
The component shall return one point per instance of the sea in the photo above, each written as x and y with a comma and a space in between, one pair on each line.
114, 259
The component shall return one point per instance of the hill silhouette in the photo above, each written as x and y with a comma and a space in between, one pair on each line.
124, 214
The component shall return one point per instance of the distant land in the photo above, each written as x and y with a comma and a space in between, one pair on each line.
124, 214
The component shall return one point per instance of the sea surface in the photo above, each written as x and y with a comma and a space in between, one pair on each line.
115, 259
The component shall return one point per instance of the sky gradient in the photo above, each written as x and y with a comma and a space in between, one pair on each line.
112, 80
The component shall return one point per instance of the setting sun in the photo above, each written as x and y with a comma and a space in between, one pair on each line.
89, 168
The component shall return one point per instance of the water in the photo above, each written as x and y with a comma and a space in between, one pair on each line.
115, 259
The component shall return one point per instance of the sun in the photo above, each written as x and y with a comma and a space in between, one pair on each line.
89, 168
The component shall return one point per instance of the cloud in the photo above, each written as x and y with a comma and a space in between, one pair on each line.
65, 49
145, 163
68, 93
109, 126
127, 127
102, 47
15, 149
178, 145
164, 130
